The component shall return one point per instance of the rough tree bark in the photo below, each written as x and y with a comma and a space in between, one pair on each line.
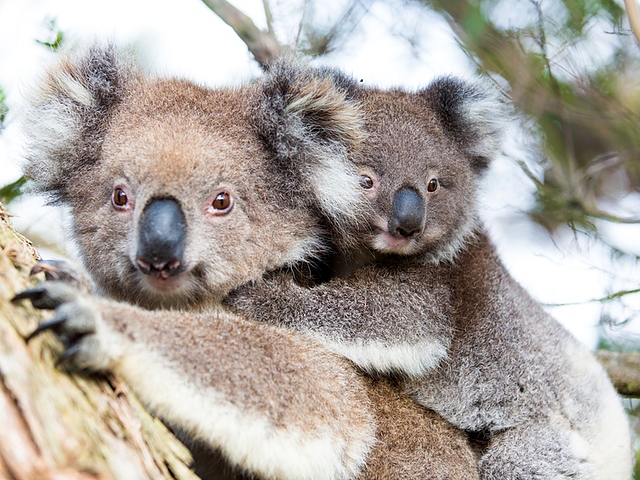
55, 424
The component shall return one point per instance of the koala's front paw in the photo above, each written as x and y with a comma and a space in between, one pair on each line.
61, 270
77, 323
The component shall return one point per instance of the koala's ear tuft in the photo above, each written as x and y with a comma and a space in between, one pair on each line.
473, 114
317, 104
91, 80
312, 123
65, 119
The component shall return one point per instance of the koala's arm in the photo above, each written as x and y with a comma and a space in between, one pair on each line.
274, 403
384, 318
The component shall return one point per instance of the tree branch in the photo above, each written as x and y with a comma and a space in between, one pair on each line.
268, 16
263, 45
633, 12
623, 369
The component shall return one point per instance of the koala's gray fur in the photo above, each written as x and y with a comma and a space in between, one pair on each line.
439, 308
115, 145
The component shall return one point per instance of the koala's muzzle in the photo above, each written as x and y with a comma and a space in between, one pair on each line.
161, 238
407, 214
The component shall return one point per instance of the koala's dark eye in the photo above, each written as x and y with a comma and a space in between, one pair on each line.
432, 186
119, 198
366, 182
369, 182
222, 202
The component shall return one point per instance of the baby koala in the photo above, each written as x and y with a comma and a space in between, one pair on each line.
425, 298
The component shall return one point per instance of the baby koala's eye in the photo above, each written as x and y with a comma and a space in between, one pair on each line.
222, 203
366, 182
369, 182
119, 198
432, 186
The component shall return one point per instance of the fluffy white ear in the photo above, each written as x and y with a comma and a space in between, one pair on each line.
65, 114
473, 114
312, 124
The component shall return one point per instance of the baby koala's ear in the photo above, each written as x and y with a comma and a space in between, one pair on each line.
66, 113
473, 114
312, 123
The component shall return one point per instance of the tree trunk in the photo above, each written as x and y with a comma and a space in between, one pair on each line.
55, 424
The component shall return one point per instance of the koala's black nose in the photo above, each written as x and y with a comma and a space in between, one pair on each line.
408, 212
161, 238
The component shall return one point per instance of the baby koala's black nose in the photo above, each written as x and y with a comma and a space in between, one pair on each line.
161, 238
407, 214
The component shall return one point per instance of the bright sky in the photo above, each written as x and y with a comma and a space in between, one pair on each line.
185, 38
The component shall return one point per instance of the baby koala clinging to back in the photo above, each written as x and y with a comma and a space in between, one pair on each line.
432, 302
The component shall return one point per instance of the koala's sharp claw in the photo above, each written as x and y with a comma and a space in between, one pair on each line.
49, 267
39, 298
35, 293
48, 295
53, 270
54, 322
68, 353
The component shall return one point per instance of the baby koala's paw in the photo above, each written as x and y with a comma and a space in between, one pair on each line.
77, 323
253, 297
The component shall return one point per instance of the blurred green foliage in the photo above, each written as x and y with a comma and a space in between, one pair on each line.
12, 191
54, 41
55, 37
584, 99
3, 107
